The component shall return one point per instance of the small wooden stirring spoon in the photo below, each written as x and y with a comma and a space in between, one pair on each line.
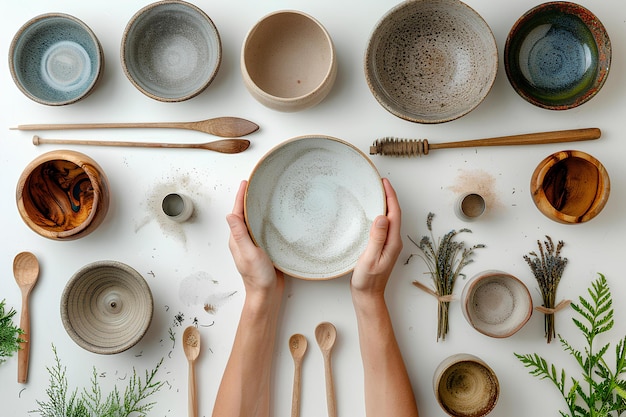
191, 346
297, 347
326, 335
26, 272
219, 126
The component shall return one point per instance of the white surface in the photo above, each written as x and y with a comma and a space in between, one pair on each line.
189, 265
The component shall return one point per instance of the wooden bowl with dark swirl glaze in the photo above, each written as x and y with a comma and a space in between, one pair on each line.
570, 187
63, 195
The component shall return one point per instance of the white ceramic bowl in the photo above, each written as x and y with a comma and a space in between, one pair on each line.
496, 304
288, 61
310, 203
171, 50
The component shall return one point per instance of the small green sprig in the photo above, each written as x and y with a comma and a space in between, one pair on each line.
599, 392
91, 403
9, 333
445, 258
548, 267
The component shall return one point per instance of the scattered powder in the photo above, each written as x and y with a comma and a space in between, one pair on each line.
201, 289
479, 182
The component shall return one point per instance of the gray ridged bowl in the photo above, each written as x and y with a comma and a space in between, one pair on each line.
106, 307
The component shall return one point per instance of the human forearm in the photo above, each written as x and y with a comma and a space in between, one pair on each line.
388, 389
245, 386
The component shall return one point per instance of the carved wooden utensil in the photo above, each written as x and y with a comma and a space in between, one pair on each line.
326, 335
297, 347
191, 346
418, 147
26, 272
219, 126
223, 145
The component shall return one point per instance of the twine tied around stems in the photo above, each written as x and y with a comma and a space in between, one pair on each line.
440, 298
560, 306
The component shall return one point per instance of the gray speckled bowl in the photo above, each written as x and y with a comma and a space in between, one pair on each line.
55, 59
431, 61
171, 50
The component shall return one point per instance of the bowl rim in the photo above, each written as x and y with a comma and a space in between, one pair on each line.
600, 37
100, 184
270, 153
125, 39
129, 272
490, 275
538, 193
316, 94
56, 15
372, 83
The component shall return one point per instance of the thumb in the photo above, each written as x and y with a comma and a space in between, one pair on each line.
378, 236
238, 229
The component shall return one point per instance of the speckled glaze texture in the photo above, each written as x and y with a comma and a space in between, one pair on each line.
496, 304
106, 307
570, 186
310, 203
557, 55
55, 59
431, 61
171, 51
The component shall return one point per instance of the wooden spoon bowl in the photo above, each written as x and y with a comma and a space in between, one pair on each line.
570, 187
63, 195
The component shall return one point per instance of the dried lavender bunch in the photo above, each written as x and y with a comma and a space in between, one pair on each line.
548, 267
445, 259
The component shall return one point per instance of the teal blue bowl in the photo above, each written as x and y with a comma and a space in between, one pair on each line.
56, 59
557, 55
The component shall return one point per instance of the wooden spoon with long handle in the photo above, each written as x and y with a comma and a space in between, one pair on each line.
326, 335
219, 126
191, 346
26, 272
222, 145
297, 347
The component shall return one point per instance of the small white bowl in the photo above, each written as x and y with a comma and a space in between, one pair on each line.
288, 61
310, 203
496, 304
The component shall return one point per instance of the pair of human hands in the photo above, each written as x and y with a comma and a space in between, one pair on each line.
370, 274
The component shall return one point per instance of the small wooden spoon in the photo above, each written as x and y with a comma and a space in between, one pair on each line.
219, 126
223, 145
297, 347
26, 272
326, 335
191, 346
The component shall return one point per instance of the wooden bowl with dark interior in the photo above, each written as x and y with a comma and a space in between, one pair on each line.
63, 195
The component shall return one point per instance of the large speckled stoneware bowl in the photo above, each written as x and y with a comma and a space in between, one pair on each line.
431, 61
288, 61
56, 59
106, 307
310, 203
171, 50
557, 55
63, 195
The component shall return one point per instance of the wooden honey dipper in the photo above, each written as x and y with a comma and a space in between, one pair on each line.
418, 147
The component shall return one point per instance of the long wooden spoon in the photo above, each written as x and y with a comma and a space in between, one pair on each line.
191, 346
223, 145
26, 272
297, 347
326, 335
219, 126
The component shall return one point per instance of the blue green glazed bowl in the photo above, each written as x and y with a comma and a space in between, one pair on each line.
557, 55
56, 59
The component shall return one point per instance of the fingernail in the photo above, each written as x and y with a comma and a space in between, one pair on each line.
382, 222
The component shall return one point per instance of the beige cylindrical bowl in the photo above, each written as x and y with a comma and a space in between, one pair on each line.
465, 386
496, 304
106, 307
288, 61
63, 195
570, 187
